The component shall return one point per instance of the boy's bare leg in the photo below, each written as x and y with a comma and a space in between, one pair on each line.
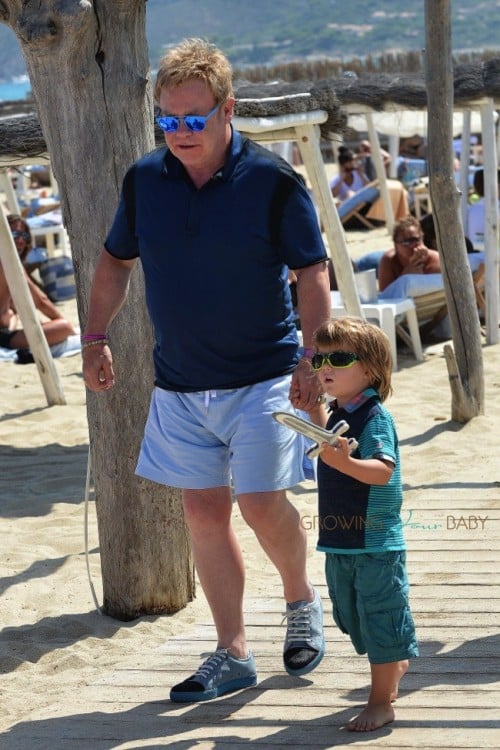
384, 690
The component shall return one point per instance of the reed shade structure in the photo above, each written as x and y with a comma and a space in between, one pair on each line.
476, 87
21, 140
289, 98
21, 136
379, 91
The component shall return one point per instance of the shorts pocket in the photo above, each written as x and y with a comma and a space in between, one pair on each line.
391, 629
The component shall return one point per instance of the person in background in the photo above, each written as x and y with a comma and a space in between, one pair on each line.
475, 212
350, 178
408, 256
413, 147
196, 212
429, 237
365, 550
365, 156
55, 327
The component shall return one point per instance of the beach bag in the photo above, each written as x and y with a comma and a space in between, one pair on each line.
58, 278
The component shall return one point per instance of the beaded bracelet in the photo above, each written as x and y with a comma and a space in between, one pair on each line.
86, 344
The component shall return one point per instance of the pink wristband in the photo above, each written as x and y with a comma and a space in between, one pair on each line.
93, 336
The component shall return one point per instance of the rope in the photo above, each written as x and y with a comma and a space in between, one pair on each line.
86, 532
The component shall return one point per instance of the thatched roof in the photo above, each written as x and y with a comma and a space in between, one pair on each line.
21, 136
282, 98
472, 82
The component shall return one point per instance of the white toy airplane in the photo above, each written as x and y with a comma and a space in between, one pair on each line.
318, 434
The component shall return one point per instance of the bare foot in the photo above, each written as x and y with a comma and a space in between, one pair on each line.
372, 717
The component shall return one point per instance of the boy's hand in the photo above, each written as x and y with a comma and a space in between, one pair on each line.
337, 456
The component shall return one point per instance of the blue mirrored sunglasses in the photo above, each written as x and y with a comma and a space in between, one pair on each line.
334, 359
195, 123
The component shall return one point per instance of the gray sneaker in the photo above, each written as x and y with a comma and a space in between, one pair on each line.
220, 673
304, 645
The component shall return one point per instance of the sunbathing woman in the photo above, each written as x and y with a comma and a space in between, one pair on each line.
56, 328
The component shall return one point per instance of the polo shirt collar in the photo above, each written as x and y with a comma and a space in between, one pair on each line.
174, 168
355, 403
233, 155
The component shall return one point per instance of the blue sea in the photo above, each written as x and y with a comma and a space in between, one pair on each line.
11, 91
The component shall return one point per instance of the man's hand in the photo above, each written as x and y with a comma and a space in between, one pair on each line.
98, 368
305, 389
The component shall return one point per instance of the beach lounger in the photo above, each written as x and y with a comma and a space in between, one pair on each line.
352, 207
431, 308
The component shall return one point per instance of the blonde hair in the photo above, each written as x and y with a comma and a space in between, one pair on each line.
196, 58
366, 340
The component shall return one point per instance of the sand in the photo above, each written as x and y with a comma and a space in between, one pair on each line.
53, 640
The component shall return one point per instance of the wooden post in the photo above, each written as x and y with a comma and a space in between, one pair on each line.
464, 166
10, 194
381, 173
468, 388
308, 142
490, 221
394, 152
25, 307
96, 122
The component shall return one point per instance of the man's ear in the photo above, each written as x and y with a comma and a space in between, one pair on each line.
228, 108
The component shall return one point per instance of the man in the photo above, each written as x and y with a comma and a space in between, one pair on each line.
217, 222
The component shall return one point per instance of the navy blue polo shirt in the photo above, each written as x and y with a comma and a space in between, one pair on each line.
354, 517
216, 263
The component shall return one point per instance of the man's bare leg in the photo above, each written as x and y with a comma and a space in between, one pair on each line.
276, 523
384, 689
219, 563
277, 526
220, 567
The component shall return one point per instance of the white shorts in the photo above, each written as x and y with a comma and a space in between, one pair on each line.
222, 438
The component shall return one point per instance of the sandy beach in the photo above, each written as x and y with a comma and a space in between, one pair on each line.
54, 643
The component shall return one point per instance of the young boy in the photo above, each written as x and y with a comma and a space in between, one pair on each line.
360, 497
